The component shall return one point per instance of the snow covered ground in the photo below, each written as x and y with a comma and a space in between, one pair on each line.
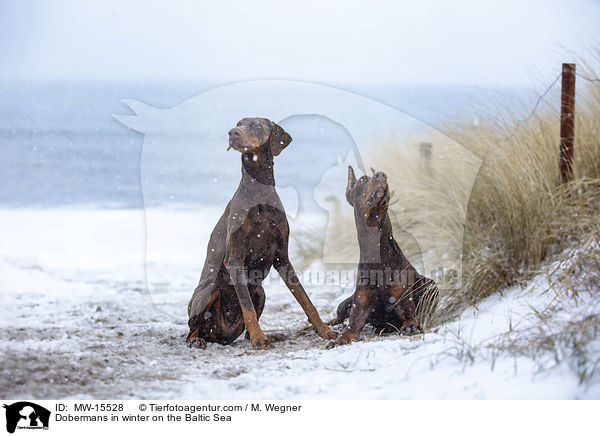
77, 321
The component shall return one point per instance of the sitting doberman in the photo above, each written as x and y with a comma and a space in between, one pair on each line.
389, 291
250, 237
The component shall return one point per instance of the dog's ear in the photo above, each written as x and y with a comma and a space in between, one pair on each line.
279, 139
351, 183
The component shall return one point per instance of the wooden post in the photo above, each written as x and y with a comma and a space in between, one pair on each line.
567, 122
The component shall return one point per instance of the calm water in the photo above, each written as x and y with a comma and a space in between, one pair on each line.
61, 146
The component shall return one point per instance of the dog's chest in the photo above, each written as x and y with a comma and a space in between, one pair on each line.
263, 242
263, 235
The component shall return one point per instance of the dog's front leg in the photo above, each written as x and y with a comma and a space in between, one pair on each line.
239, 278
359, 314
404, 306
288, 274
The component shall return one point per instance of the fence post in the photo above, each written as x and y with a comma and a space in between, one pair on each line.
567, 122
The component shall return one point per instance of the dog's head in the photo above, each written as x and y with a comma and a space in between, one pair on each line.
370, 196
251, 135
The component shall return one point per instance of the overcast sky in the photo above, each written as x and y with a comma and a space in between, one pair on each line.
491, 43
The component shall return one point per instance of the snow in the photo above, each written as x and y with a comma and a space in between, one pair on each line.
77, 320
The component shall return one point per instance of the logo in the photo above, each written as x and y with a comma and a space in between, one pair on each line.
26, 415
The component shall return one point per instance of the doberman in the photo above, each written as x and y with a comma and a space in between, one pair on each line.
250, 237
389, 291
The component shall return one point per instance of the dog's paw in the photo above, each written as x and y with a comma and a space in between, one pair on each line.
343, 339
327, 333
261, 342
197, 343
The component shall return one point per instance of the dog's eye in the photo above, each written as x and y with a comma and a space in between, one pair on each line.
363, 179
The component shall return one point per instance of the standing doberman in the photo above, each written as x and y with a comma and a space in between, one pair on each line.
250, 237
389, 290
